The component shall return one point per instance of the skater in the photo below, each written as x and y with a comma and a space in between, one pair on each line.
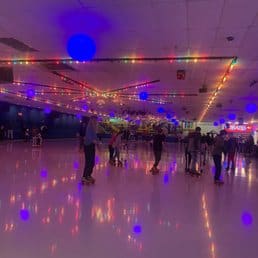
194, 148
27, 135
1, 133
217, 155
226, 148
158, 139
89, 150
204, 148
126, 138
111, 148
82, 132
117, 146
188, 156
232, 149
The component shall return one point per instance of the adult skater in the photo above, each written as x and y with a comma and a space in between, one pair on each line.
217, 155
194, 147
89, 150
117, 147
232, 149
158, 139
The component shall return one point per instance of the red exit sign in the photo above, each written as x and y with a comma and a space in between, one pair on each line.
180, 74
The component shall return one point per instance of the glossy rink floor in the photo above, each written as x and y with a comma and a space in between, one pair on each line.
45, 212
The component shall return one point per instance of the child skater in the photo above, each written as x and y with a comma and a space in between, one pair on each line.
117, 146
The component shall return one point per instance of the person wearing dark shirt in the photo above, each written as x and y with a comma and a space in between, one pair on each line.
158, 139
1, 132
232, 149
89, 150
218, 149
194, 147
188, 156
204, 147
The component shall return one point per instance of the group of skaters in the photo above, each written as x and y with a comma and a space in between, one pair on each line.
34, 135
197, 148
6, 132
89, 141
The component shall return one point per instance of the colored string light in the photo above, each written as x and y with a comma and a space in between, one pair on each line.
120, 60
217, 90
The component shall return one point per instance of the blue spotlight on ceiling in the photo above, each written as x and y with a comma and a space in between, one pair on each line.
31, 93
168, 116
232, 116
251, 108
47, 110
143, 95
85, 107
222, 121
79, 116
160, 110
81, 47
215, 123
112, 114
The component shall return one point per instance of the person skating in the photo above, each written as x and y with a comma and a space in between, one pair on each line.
232, 149
117, 146
158, 139
194, 148
217, 156
111, 148
188, 156
89, 150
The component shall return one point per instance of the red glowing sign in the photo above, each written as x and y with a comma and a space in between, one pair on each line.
180, 75
239, 128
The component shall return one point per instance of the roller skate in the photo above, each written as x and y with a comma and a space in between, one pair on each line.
86, 181
119, 163
187, 170
92, 179
218, 182
112, 162
154, 170
195, 173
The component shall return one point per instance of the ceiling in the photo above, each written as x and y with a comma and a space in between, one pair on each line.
169, 29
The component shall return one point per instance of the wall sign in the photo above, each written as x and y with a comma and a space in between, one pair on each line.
239, 128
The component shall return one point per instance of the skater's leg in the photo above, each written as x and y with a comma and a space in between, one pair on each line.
89, 152
217, 161
194, 161
233, 160
204, 156
189, 159
111, 152
186, 160
118, 154
92, 160
157, 154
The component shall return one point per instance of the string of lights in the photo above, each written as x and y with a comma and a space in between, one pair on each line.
136, 86
19, 83
112, 60
218, 88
